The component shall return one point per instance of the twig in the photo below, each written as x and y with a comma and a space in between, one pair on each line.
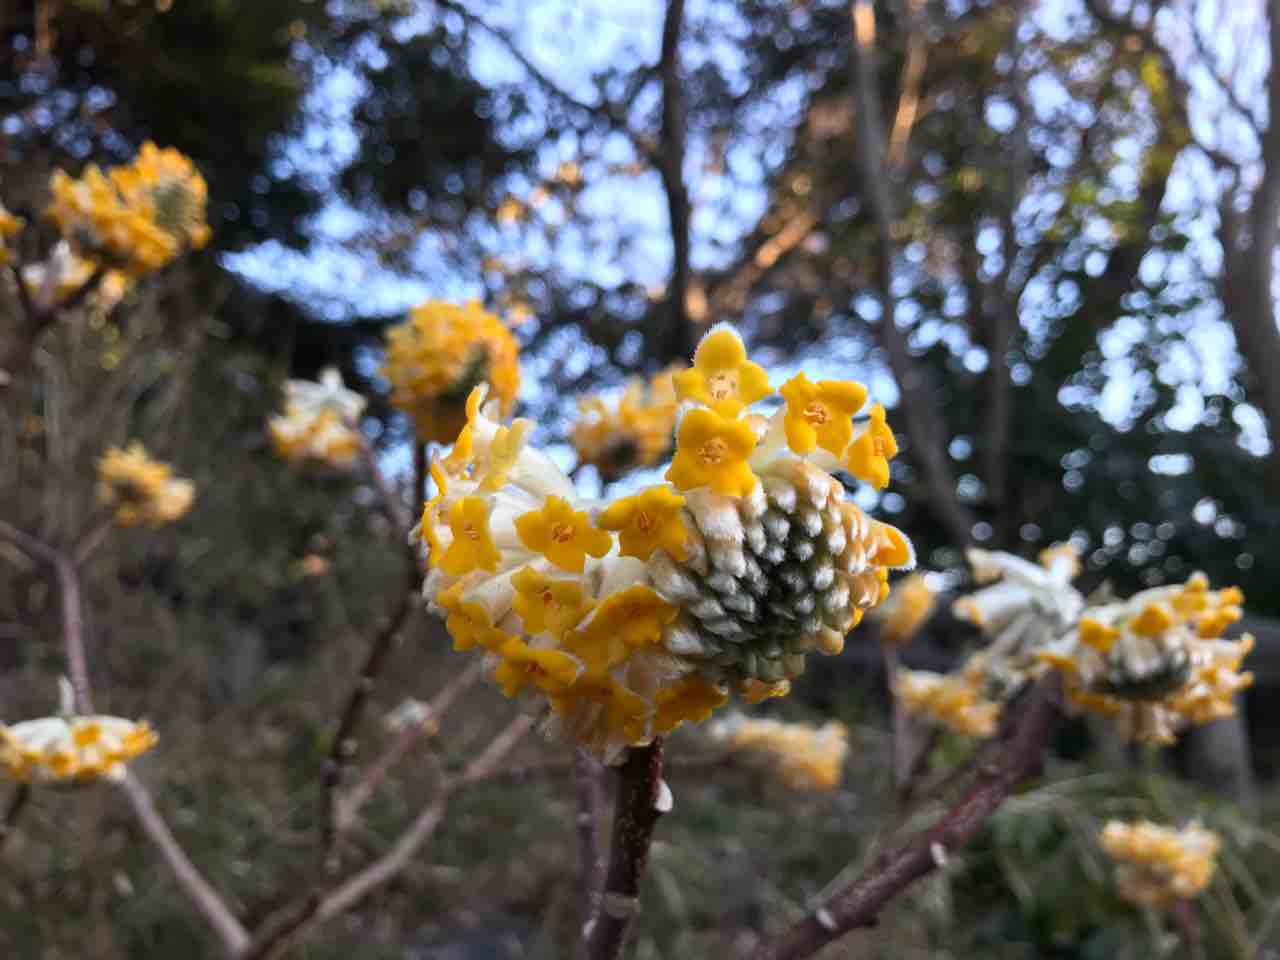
1188, 929
899, 731
909, 91
17, 803
637, 807
73, 632
359, 885
92, 539
233, 936
33, 547
860, 903
588, 784
347, 806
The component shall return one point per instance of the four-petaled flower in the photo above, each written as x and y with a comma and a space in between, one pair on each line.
469, 623
712, 451
562, 535
692, 701
625, 621
721, 376
871, 451
472, 547
549, 670
546, 605
646, 522
622, 712
820, 414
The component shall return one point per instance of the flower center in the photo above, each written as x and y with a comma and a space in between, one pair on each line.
713, 450
471, 532
548, 598
816, 413
722, 385
562, 532
878, 445
644, 522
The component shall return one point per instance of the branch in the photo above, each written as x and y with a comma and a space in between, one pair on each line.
588, 782
678, 340
233, 936
637, 807
860, 903
313, 911
73, 632
33, 547
909, 92
923, 424
17, 803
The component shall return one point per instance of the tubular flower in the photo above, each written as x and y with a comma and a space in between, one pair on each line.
667, 601
1156, 662
805, 758
907, 610
71, 749
869, 454
140, 490
319, 423
437, 357
818, 414
135, 218
722, 377
634, 432
957, 700
1158, 865
1021, 593
10, 227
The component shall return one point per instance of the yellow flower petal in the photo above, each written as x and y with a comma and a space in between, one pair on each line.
546, 605
648, 521
819, 414
624, 622
693, 700
721, 376
869, 454
562, 535
472, 547
712, 451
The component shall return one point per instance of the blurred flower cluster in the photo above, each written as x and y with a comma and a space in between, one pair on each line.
1153, 663
633, 431
69, 749
135, 218
10, 227
138, 490
436, 358
620, 620
803, 757
320, 422
1158, 865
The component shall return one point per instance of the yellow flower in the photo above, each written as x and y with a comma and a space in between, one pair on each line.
437, 357
871, 451
627, 620
693, 700
621, 712
909, 606
507, 444
820, 414
472, 546
646, 522
712, 451
1152, 621
140, 490
469, 623
562, 535
1097, 635
546, 605
71, 749
954, 700
721, 376
549, 670
802, 757
757, 691
635, 431
1158, 865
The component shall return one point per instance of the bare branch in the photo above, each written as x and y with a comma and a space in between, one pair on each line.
637, 807
860, 903
73, 632
678, 340
589, 791
924, 425
233, 936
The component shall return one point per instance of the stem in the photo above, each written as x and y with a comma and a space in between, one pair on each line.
73, 632
1188, 929
859, 904
17, 803
637, 808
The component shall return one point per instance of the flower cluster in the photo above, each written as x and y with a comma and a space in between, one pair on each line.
138, 490
10, 227
319, 422
635, 431
70, 749
437, 358
957, 700
1158, 865
804, 758
908, 608
1157, 661
1153, 663
622, 620
64, 274
136, 218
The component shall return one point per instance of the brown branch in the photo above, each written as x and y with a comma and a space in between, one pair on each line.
924, 425
73, 632
859, 904
233, 936
348, 806
637, 807
909, 91
310, 913
32, 546
677, 341
91, 540
17, 803
1188, 929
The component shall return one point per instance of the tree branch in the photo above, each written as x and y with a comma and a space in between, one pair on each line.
860, 903
923, 424
589, 792
17, 803
637, 807
677, 342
